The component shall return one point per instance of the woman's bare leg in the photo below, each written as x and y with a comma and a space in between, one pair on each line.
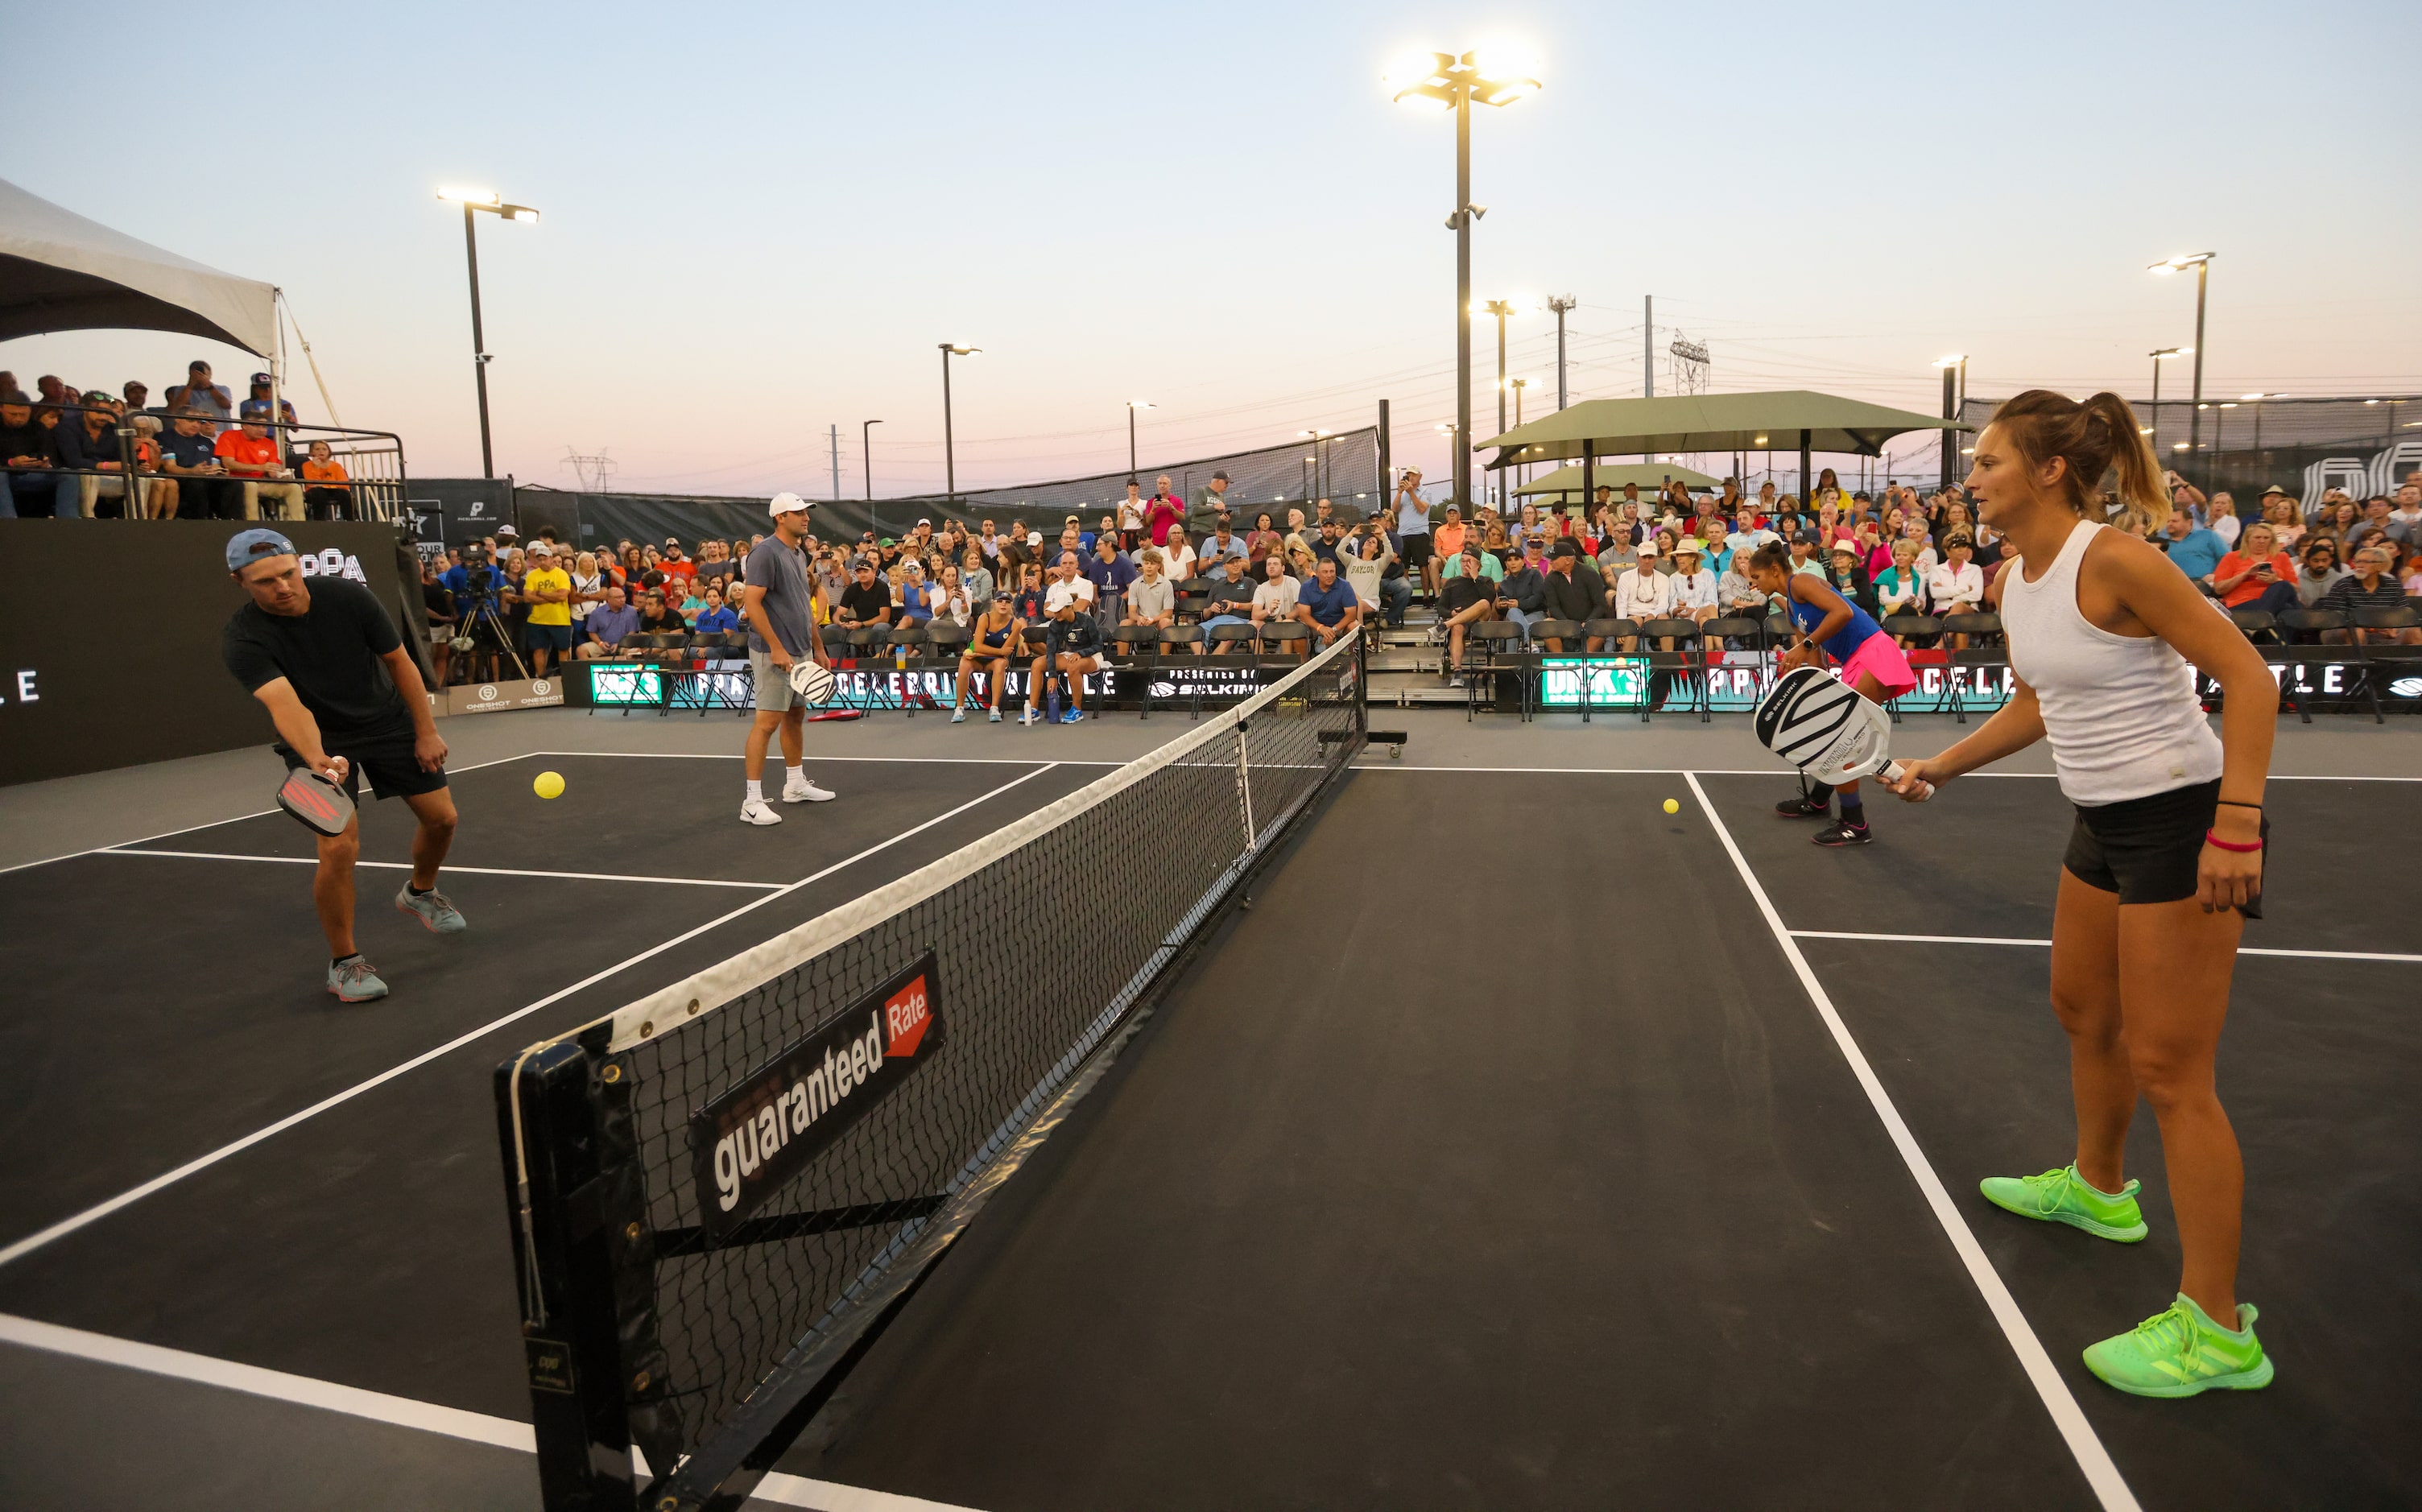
2085, 999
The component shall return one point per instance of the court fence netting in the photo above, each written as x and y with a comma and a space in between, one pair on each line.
722, 1192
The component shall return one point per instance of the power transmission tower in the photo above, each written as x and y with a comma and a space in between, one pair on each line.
1690, 365
595, 473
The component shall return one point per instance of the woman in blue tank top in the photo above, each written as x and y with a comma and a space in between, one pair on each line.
1863, 656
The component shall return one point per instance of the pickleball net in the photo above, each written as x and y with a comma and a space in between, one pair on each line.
711, 1215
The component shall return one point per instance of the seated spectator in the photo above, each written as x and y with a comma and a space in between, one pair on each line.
716, 615
1326, 605
716, 563
1231, 600
996, 641
1275, 595
602, 633
866, 601
674, 561
1900, 589
916, 604
2196, 550
159, 493
1692, 587
255, 406
27, 486
2372, 585
1641, 594
250, 458
1111, 571
948, 598
1571, 592
1522, 592
83, 447
327, 492
1848, 574
1178, 558
2320, 572
657, 618
2406, 516
974, 576
1151, 599
2257, 576
1466, 597
1478, 559
1220, 545
1031, 593
1736, 591
1376, 576
1261, 541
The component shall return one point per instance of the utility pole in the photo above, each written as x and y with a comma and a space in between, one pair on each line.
835, 432
1648, 347
1560, 304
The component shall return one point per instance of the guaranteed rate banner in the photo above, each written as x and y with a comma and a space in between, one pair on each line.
750, 1142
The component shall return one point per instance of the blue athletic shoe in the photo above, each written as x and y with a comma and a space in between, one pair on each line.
432, 909
1072, 716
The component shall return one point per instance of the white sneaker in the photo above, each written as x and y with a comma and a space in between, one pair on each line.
758, 811
803, 791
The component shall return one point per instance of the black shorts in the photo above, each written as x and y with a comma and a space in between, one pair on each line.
1416, 552
2147, 849
387, 760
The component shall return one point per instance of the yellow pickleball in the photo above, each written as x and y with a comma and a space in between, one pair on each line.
1670, 807
549, 785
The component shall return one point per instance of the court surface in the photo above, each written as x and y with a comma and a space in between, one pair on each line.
1521, 1147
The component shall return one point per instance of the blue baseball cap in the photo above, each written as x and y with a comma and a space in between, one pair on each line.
245, 547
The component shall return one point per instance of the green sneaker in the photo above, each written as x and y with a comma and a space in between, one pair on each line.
2062, 1196
2183, 1353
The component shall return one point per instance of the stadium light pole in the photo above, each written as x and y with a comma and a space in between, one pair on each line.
950, 458
473, 201
1501, 308
2201, 264
866, 455
1133, 406
2160, 356
1319, 439
1454, 83
1560, 304
1953, 407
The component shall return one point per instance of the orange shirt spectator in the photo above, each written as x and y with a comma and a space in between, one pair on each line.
244, 453
2250, 582
316, 471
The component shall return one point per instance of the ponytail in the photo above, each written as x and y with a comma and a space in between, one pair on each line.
2095, 439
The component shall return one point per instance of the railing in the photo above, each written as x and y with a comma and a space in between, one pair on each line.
373, 461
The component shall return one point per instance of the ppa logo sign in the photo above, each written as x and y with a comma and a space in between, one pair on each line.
331, 563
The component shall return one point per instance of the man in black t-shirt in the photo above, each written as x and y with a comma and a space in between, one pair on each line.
865, 601
1464, 600
347, 701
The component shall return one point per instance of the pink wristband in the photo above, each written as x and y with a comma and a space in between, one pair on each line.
2214, 840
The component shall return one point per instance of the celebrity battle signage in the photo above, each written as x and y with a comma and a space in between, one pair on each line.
746, 1143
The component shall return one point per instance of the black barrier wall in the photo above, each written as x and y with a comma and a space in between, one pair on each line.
126, 670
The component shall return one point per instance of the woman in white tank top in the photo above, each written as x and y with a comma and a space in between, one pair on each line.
2164, 861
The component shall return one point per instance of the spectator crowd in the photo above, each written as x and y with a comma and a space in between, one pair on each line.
200, 453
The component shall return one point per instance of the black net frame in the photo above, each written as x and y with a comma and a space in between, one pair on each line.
710, 1355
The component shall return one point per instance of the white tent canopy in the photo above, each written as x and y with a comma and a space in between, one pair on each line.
60, 272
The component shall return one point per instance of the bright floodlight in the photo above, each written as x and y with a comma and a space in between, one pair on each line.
473, 197
520, 213
960, 351
2180, 264
1952, 361
2165, 354
1141, 403
1441, 78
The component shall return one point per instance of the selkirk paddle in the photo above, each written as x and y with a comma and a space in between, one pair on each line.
1826, 729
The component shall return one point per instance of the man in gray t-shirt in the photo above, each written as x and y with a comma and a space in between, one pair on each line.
779, 600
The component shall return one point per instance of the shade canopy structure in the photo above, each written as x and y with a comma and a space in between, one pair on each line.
60, 272
1788, 419
1648, 475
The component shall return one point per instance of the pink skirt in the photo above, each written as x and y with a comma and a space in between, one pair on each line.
1878, 656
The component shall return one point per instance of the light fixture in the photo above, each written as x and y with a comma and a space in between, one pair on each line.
2178, 446
1759, 442
2180, 264
469, 197
960, 351
1952, 361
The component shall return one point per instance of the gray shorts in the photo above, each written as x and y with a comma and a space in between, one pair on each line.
774, 694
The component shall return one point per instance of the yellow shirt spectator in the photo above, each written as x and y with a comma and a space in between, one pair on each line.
548, 578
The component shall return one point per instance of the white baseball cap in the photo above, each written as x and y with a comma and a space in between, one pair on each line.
783, 504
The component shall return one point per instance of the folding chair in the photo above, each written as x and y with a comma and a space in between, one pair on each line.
1483, 645
2390, 658
1533, 664
908, 644
1610, 635
867, 643
1718, 634
2256, 623
2297, 654
1684, 658
1140, 645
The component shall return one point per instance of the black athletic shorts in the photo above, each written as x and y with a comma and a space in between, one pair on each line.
1416, 552
385, 758
2147, 849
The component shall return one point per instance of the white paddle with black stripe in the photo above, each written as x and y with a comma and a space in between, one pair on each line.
1826, 729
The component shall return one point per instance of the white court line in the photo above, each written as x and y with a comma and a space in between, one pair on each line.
94, 1214
2102, 1473
1384, 766
232, 819
478, 870
920, 761
396, 1411
1993, 940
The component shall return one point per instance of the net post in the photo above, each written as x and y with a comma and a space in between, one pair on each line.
1244, 787
562, 1255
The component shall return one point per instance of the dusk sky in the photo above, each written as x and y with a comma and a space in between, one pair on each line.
758, 221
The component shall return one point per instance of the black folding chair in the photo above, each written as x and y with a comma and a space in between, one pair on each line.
867, 645
2391, 660
1484, 645
2304, 628
1139, 644
2257, 625
908, 643
1684, 659
1719, 635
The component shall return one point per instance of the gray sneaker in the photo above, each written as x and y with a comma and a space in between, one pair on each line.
432, 909
354, 980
